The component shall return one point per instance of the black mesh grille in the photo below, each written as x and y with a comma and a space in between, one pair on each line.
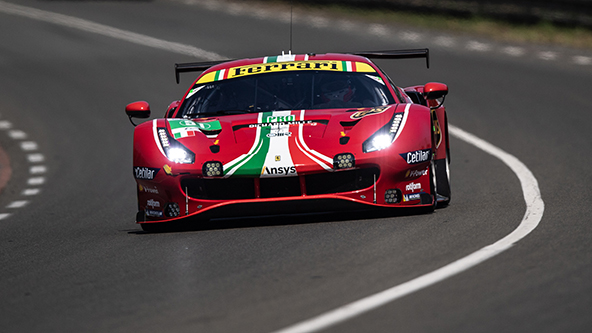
280, 187
219, 189
340, 181
244, 188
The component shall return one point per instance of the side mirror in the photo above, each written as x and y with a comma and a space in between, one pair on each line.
435, 90
171, 109
138, 109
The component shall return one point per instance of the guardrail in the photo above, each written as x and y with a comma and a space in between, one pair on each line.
562, 12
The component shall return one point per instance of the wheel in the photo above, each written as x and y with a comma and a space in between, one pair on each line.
442, 175
433, 186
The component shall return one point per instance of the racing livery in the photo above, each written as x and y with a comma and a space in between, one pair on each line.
291, 134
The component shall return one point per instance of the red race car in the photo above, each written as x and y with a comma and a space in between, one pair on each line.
292, 134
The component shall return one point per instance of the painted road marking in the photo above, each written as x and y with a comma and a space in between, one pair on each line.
533, 215
5, 124
17, 134
36, 180
29, 145
6, 171
18, 204
37, 169
35, 158
96, 28
31, 191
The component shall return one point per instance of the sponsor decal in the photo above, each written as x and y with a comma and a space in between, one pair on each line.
436, 128
193, 91
273, 135
283, 123
418, 156
271, 67
153, 203
278, 158
153, 213
186, 128
286, 170
281, 119
153, 190
362, 114
411, 197
167, 169
413, 186
416, 173
145, 173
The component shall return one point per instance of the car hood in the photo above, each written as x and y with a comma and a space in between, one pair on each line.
288, 142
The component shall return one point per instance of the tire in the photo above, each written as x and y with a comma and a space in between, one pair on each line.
442, 175
432, 176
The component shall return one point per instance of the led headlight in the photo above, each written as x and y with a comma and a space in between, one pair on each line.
174, 150
385, 136
392, 196
343, 161
212, 169
172, 209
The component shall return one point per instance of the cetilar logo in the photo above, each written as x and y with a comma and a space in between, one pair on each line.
418, 156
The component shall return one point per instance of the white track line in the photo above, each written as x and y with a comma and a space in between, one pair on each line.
532, 196
85, 25
533, 215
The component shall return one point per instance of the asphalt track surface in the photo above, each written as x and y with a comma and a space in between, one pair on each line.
72, 259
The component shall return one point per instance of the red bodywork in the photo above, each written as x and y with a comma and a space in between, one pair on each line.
287, 161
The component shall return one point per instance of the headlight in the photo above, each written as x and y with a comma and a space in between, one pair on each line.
174, 150
385, 136
179, 155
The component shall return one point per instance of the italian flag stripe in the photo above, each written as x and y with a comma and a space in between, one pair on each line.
348, 66
286, 57
221, 75
267, 60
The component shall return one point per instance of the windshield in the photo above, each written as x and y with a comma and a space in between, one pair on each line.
286, 91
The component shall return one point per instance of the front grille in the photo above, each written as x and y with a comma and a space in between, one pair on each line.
244, 188
280, 187
219, 189
340, 181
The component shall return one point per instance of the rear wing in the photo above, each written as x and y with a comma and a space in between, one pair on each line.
195, 67
391, 54
397, 54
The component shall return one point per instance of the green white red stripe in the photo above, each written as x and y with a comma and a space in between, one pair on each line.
277, 150
285, 57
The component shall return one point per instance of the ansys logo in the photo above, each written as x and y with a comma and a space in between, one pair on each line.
280, 171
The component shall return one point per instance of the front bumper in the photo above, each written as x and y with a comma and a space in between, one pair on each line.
183, 196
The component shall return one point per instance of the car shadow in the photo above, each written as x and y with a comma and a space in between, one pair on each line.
194, 224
